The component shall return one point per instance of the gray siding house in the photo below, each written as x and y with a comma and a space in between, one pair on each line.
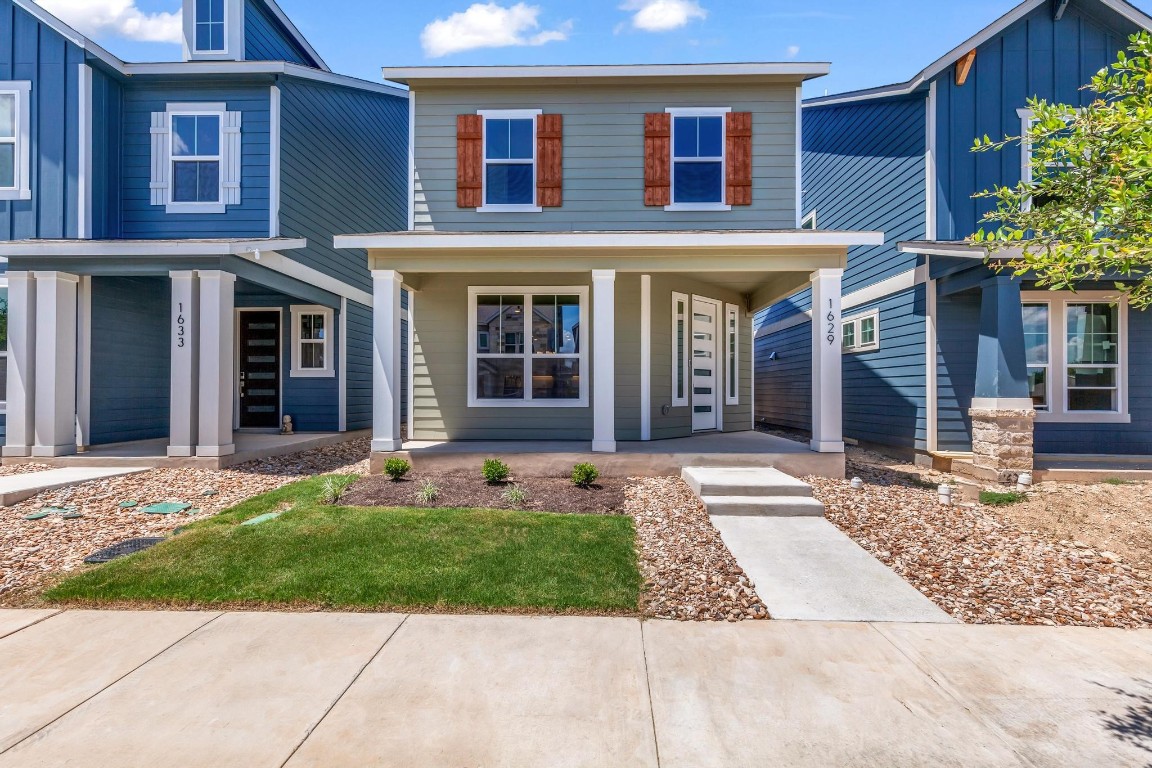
586, 249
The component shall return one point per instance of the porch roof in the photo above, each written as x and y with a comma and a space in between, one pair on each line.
183, 247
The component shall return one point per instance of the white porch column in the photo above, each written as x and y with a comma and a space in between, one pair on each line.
827, 395
21, 364
84, 363
55, 407
185, 365
386, 379
217, 372
604, 360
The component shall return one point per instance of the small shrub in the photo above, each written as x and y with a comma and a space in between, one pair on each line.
427, 494
1119, 481
396, 468
583, 475
334, 487
515, 496
495, 471
1001, 498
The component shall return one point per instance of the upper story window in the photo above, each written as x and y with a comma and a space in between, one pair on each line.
1028, 170
510, 160
209, 26
698, 157
15, 182
196, 158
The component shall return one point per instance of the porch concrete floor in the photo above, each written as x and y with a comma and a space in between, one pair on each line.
636, 458
153, 453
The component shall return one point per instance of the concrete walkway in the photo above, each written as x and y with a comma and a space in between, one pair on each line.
17, 488
807, 569
259, 689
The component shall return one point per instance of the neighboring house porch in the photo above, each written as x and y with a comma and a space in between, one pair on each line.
173, 349
633, 336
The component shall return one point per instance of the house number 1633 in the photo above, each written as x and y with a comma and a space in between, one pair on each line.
831, 318
180, 325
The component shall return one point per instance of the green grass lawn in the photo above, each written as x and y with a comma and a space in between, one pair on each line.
356, 557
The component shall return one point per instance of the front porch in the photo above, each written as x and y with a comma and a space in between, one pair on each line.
631, 459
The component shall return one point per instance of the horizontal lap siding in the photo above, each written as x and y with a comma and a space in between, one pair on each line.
784, 384
1034, 57
359, 366
141, 219
957, 338
628, 357
864, 170
884, 390
604, 156
1114, 439
266, 40
344, 165
34, 52
131, 354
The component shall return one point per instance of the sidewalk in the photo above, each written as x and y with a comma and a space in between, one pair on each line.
313, 689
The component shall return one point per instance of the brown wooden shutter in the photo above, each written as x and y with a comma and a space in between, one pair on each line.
469, 161
738, 137
657, 158
550, 161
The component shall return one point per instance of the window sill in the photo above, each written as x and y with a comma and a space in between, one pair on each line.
582, 403
193, 208
15, 194
509, 209
858, 350
1083, 417
306, 373
698, 207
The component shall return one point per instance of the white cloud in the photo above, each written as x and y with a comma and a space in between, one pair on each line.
489, 25
119, 18
793, 51
663, 15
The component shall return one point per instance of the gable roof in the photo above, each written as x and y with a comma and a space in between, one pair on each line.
1122, 7
297, 36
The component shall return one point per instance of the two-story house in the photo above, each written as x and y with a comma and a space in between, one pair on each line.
171, 277
586, 249
944, 355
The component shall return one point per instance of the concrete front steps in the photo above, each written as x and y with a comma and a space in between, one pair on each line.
763, 492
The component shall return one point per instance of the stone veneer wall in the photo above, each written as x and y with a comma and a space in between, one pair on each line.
1002, 442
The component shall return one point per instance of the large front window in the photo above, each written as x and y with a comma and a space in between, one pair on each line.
510, 159
1075, 351
526, 347
697, 158
196, 156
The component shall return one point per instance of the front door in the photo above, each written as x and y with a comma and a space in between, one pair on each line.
259, 370
705, 387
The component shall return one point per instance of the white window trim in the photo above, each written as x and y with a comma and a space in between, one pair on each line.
329, 369
195, 28
1026, 119
858, 345
186, 110
731, 354
676, 112
527, 291
508, 114
676, 359
809, 218
1057, 411
22, 189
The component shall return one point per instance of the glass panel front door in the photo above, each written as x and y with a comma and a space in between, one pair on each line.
705, 383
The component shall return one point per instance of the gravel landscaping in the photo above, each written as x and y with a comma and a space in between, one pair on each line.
32, 550
978, 563
690, 575
468, 489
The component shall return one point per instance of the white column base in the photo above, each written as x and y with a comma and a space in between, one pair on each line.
386, 445
211, 451
49, 451
181, 451
826, 447
604, 446
17, 451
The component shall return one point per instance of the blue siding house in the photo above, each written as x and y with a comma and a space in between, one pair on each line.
943, 356
168, 235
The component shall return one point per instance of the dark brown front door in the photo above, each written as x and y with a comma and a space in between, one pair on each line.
259, 370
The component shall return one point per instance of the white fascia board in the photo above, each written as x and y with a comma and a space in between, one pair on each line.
259, 68
82, 248
655, 240
1130, 12
295, 33
594, 72
278, 262
958, 250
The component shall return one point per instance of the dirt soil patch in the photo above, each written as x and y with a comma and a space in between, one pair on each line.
466, 490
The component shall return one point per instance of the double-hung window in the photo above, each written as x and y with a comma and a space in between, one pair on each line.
862, 333
312, 342
15, 183
197, 141
510, 160
698, 161
1028, 170
1075, 345
526, 347
209, 26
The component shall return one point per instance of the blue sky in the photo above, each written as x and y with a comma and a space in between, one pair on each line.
869, 43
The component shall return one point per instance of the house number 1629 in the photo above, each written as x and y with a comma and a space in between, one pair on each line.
831, 318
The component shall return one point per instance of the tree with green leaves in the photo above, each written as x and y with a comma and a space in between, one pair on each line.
1086, 212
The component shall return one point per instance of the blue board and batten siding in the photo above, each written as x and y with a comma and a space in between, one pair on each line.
265, 38
107, 154
32, 51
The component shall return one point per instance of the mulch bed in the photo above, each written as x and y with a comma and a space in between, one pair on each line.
459, 489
